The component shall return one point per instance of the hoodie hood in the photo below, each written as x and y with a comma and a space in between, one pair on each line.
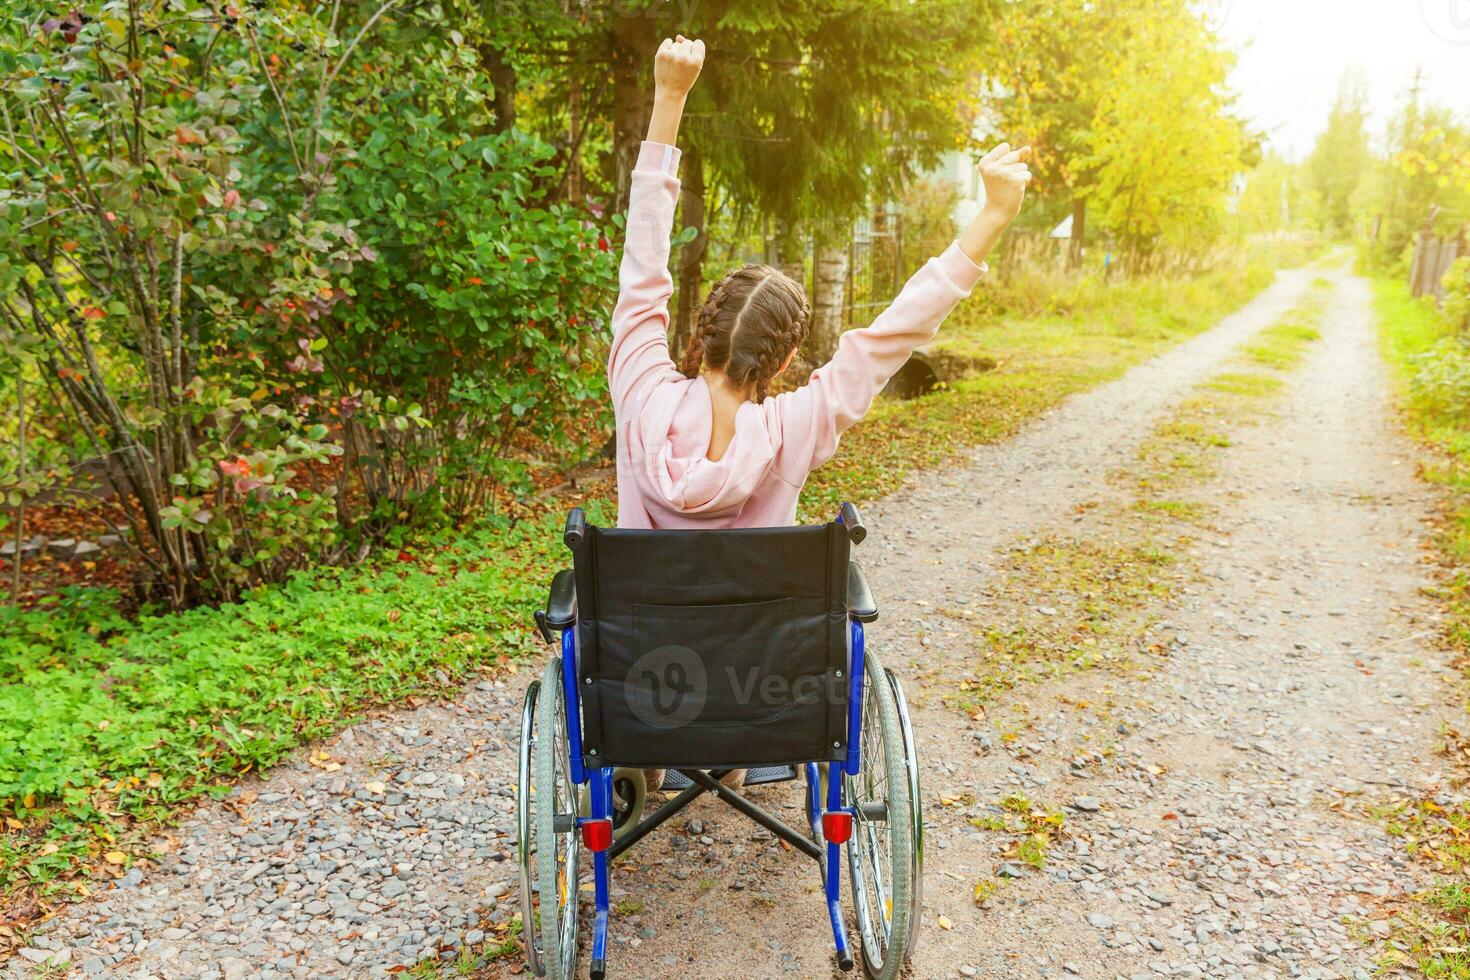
673, 432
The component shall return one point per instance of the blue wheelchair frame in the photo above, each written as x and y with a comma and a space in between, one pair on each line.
600, 789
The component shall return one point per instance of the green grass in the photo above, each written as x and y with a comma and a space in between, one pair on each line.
1432, 928
1078, 601
111, 724
1187, 511
1033, 830
1432, 371
1246, 384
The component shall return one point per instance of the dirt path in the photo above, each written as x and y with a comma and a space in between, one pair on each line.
1298, 673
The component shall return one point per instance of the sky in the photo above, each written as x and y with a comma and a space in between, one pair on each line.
1293, 52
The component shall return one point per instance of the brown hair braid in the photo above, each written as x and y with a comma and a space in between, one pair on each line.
752, 321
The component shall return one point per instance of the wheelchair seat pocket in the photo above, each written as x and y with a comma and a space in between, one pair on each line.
733, 662
732, 682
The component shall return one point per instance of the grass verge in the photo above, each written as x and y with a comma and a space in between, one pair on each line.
123, 721
1431, 368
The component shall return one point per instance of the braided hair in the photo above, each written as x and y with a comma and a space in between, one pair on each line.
750, 323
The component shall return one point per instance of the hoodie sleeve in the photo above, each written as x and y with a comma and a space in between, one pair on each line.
840, 392
640, 321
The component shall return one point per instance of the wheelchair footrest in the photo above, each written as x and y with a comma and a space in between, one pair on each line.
675, 780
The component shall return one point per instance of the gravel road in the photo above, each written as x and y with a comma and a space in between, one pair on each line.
1204, 842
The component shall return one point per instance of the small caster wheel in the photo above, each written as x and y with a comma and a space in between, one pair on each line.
630, 799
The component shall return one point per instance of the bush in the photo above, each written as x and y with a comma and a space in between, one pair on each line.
1440, 378
487, 300
244, 245
150, 292
1457, 293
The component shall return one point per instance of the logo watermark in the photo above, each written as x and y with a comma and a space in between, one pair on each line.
1448, 19
669, 688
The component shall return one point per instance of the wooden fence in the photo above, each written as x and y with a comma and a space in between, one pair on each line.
1433, 257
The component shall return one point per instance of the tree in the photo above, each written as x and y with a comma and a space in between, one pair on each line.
1276, 198
1165, 145
1054, 59
1340, 159
1425, 169
806, 111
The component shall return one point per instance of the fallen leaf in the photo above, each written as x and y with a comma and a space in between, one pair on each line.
115, 857
944, 922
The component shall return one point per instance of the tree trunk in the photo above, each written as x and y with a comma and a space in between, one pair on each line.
20, 507
630, 44
791, 253
1079, 231
692, 255
827, 304
573, 183
503, 77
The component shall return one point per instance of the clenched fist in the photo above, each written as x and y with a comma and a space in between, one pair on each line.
1006, 175
676, 66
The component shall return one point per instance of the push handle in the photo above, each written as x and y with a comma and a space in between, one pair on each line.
848, 517
576, 528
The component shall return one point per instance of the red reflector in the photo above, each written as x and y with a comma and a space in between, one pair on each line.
597, 834
836, 826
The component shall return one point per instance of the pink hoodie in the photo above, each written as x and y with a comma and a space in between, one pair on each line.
664, 420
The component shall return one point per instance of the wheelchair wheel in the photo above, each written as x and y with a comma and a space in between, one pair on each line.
550, 849
883, 856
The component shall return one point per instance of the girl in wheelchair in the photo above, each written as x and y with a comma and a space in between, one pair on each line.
703, 444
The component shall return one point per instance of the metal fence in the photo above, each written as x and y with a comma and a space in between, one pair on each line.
875, 266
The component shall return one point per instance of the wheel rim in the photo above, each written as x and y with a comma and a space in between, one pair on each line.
568, 849
870, 852
526, 831
557, 844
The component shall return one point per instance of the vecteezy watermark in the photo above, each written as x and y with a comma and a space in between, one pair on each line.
669, 688
1217, 14
1448, 19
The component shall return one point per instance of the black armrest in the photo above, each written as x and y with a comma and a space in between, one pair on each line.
561, 605
861, 605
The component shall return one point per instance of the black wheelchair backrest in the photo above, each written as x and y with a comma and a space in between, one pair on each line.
712, 649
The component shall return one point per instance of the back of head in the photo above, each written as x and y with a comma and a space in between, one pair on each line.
750, 324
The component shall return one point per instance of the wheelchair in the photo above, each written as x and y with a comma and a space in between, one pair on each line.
700, 652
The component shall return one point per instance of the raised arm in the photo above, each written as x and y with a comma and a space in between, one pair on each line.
841, 391
640, 321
